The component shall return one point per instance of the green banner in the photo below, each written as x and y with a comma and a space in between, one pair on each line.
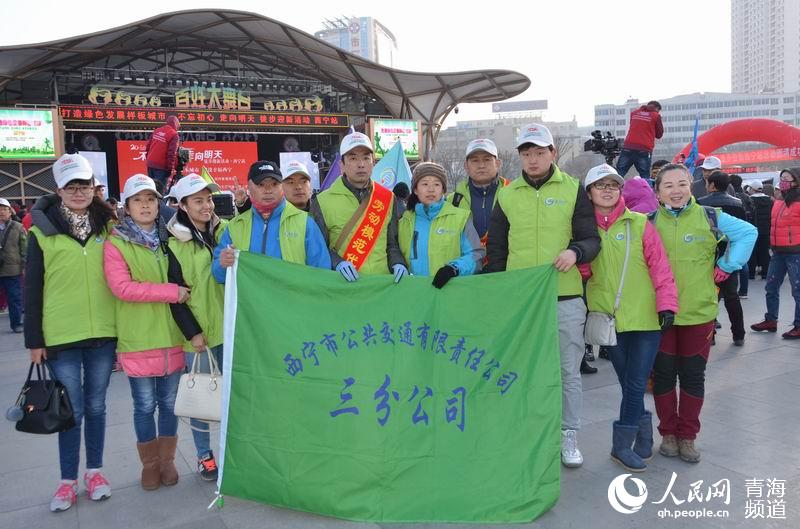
386, 402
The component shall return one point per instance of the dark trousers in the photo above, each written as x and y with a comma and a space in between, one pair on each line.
682, 355
760, 257
729, 293
638, 159
12, 286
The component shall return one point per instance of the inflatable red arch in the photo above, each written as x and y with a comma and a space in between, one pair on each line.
770, 131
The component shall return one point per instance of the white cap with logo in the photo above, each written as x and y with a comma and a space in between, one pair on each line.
711, 162
295, 167
353, 140
599, 172
136, 184
481, 144
71, 167
535, 133
4, 202
758, 185
189, 185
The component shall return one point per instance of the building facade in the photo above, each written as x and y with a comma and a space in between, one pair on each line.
765, 46
362, 36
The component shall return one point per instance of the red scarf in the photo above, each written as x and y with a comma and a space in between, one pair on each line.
265, 209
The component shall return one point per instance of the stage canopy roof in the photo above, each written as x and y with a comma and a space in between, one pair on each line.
237, 43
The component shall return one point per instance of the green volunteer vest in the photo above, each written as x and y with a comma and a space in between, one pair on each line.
540, 225
78, 304
291, 236
338, 204
444, 239
691, 248
144, 326
208, 296
637, 308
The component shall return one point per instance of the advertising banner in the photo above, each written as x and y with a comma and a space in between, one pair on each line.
26, 134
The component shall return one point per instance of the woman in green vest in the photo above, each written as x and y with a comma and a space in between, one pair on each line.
150, 345
647, 303
690, 233
195, 231
437, 238
69, 316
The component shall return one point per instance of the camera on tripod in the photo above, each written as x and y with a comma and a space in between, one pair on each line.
608, 145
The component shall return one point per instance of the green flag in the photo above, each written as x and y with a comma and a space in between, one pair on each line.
387, 402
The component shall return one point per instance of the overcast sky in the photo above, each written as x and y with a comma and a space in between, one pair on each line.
576, 53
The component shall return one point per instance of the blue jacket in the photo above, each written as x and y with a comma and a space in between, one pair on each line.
472, 253
316, 250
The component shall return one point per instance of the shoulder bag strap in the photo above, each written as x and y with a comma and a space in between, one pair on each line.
362, 207
625, 264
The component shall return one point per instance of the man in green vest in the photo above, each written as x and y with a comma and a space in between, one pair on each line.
273, 226
478, 193
545, 218
360, 216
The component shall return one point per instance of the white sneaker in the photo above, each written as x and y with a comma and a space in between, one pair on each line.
97, 486
65, 496
570, 455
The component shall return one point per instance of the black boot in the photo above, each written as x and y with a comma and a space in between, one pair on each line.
603, 352
586, 368
589, 354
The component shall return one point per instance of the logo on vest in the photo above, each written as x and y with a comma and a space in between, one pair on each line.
550, 201
444, 231
690, 237
291, 234
620, 236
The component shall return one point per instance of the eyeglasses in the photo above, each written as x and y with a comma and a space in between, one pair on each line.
614, 186
74, 190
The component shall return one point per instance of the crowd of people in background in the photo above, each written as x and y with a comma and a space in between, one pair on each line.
143, 278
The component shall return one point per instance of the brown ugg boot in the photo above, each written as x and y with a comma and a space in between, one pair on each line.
166, 455
151, 472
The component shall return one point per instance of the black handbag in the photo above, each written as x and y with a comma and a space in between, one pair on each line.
45, 403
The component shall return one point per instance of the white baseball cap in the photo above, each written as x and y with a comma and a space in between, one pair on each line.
136, 184
535, 133
758, 185
481, 144
711, 162
353, 140
189, 185
71, 167
294, 167
599, 172
4, 202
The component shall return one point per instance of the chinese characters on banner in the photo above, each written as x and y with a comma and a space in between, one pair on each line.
226, 161
775, 154
211, 118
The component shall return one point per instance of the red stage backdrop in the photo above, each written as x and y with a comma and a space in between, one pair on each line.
225, 161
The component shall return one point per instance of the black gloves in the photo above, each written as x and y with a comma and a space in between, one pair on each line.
665, 319
443, 275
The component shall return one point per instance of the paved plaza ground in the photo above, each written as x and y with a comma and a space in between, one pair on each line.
751, 429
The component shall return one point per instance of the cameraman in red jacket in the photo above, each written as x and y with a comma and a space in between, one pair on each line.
162, 152
637, 150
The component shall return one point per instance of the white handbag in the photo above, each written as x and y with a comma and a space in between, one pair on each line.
601, 328
200, 394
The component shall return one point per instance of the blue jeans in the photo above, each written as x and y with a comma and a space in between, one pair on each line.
639, 159
744, 279
88, 398
160, 176
13, 287
633, 358
147, 393
779, 266
202, 440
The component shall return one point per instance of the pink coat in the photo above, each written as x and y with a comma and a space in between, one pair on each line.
639, 196
655, 256
154, 362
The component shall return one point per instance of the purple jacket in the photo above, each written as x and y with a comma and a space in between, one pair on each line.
639, 196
